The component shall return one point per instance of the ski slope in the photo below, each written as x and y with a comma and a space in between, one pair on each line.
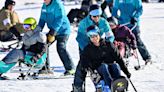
149, 79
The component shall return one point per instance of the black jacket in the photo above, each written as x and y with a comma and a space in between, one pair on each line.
93, 56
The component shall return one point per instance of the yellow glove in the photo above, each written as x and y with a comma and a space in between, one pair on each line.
50, 38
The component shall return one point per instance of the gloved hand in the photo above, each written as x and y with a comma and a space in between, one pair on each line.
50, 36
36, 57
133, 21
134, 47
20, 38
128, 75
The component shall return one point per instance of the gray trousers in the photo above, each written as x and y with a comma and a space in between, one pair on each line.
13, 56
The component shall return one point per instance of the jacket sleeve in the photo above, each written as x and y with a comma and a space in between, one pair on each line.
81, 38
115, 8
139, 9
131, 37
7, 20
59, 16
41, 20
118, 58
85, 59
109, 36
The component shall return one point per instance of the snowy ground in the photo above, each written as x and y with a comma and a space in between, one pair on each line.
149, 79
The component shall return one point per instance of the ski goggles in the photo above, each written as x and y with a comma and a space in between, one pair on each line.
26, 26
92, 33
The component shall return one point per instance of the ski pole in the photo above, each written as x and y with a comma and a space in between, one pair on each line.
132, 85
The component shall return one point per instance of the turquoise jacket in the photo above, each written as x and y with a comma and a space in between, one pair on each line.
128, 9
103, 25
55, 17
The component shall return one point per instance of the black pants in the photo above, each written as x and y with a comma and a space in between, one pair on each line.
5, 35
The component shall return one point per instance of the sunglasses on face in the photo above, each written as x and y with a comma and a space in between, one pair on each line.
96, 16
26, 26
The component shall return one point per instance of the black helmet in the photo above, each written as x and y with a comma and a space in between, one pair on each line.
112, 20
9, 2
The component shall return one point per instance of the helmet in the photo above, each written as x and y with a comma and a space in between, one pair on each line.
31, 21
9, 2
92, 30
95, 10
112, 20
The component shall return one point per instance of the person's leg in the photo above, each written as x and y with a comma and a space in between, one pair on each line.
141, 47
10, 60
63, 54
104, 72
115, 71
6, 36
13, 56
79, 78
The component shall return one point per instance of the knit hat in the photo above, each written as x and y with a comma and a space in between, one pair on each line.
95, 10
9, 2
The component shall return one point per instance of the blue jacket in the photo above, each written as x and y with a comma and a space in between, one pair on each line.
55, 17
128, 9
103, 25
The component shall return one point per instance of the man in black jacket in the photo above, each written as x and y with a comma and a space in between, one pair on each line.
101, 56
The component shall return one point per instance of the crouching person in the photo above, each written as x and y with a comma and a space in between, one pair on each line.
124, 38
99, 55
34, 42
10, 25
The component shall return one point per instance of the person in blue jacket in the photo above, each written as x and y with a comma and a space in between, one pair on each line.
53, 14
130, 12
93, 18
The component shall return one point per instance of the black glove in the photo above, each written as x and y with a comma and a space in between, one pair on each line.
128, 75
134, 47
133, 21
20, 38
36, 57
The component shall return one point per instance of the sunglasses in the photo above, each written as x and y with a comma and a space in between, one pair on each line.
26, 26
96, 16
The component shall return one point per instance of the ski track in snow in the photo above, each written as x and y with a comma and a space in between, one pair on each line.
149, 79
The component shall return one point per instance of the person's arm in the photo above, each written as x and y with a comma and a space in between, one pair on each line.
117, 57
42, 18
131, 36
81, 72
139, 9
82, 38
115, 8
59, 16
109, 36
7, 20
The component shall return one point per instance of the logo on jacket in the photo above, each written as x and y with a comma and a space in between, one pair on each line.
121, 1
44, 10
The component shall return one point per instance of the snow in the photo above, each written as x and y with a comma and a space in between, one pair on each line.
149, 79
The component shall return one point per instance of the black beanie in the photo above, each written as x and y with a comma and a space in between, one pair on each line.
94, 7
9, 2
